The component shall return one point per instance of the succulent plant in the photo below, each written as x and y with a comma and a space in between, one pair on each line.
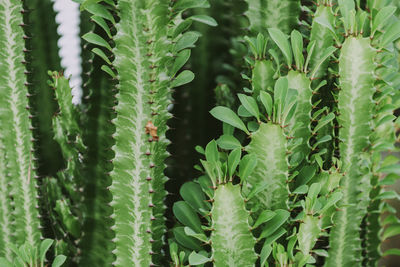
308, 97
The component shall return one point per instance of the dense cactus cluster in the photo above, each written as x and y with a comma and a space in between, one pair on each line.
298, 174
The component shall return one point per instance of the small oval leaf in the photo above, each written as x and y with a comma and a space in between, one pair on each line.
226, 115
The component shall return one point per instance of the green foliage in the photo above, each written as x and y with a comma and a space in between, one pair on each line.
27, 255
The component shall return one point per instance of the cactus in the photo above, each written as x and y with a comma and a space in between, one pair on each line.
298, 177
42, 44
17, 136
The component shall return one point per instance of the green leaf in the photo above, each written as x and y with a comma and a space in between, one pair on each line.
204, 19
184, 77
233, 160
266, 100
247, 166
394, 168
332, 200
327, 53
280, 92
228, 142
191, 192
391, 231
185, 240
103, 24
108, 70
277, 221
242, 112
96, 39
392, 33
382, 18
265, 252
185, 4
101, 11
44, 247
24, 252
197, 259
173, 251
186, 215
324, 121
324, 22
277, 234
85, 3
388, 195
392, 251
187, 40
297, 47
181, 59
200, 237
212, 151
321, 252
265, 216
301, 190
59, 260
226, 115
282, 42
250, 105
101, 54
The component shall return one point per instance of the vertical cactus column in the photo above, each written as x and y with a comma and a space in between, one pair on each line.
356, 70
97, 102
15, 119
150, 48
132, 181
360, 91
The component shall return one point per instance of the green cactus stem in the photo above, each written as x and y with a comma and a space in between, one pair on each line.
15, 117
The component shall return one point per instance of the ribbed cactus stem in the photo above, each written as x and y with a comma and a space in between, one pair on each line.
356, 70
269, 145
137, 177
14, 116
232, 241
302, 117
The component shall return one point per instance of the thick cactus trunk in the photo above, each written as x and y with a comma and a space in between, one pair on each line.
269, 145
232, 242
356, 70
15, 119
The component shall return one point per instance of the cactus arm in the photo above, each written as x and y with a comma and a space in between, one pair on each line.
322, 36
269, 145
302, 117
64, 191
131, 165
143, 45
264, 14
14, 114
356, 69
232, 242
98, 100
